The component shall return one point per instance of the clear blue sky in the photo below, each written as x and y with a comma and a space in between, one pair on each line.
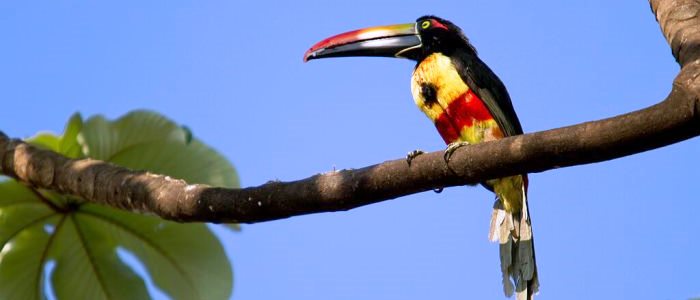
234, 74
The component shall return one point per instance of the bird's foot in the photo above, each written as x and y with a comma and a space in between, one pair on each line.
413, 154
451, 149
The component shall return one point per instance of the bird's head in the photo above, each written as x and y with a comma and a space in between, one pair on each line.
417, 40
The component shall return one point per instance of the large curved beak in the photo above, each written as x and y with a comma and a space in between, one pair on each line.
387, 41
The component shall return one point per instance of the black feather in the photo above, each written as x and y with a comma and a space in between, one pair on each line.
490, 89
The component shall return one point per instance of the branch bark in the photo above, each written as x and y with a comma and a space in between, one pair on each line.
675, 119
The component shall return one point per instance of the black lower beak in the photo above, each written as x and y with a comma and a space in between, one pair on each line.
386, 41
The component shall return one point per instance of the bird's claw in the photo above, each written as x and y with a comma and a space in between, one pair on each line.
451, 149
413, 154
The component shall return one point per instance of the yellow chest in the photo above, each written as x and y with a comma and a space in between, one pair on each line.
436, 70
459, 115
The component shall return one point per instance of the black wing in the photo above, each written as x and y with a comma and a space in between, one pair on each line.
490, 89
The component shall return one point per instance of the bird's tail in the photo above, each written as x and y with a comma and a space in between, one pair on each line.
511, 228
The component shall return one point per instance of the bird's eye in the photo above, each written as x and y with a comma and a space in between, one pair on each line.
425, 24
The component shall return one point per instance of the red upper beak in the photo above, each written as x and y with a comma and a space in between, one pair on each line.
387, 41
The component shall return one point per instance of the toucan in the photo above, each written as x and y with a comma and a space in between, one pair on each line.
468, 104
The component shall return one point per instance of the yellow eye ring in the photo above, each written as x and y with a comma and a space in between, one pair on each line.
425, 24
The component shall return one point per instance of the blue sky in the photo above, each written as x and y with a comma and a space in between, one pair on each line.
233, 73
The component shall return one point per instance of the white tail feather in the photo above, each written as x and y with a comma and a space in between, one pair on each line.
516, 249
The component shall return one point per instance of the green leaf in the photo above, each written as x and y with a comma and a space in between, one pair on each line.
13, 192
186, 261
69, 145
144, 140
194, 162
87, 266
21, 261
188, 134
23, 239
103, 139
45, 140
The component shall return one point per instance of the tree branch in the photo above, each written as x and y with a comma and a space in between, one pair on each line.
675, 119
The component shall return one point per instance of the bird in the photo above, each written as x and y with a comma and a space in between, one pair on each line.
468, 104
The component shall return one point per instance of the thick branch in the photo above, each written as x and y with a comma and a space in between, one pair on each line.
675, 119
679, 24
